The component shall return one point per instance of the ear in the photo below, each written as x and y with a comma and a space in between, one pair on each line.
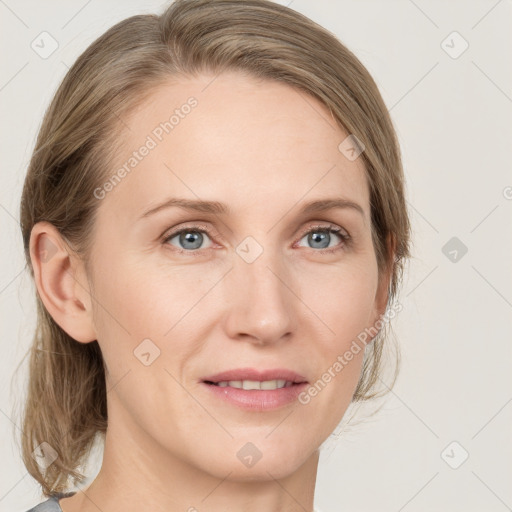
382, 294
61, 282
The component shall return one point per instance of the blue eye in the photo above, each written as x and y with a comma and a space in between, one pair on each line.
321, 236
190, 239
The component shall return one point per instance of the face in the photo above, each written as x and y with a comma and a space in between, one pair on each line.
250, 281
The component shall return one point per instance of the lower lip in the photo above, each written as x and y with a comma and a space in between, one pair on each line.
257, 399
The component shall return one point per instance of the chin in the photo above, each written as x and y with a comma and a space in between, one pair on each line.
259, 459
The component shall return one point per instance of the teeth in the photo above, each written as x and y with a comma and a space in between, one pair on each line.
250, 384
255, 384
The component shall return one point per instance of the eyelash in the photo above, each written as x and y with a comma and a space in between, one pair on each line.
345, 237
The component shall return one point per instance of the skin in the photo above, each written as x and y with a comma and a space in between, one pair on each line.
264, 149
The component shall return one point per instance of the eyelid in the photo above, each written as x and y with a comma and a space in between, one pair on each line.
195, 226
326, 227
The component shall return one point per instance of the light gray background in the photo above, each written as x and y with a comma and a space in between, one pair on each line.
453, 117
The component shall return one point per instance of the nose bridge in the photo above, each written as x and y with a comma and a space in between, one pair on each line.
263, 306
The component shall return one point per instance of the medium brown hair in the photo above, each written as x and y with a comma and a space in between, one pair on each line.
66, 404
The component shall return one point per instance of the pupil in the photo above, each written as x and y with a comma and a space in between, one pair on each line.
191, 237
320, 237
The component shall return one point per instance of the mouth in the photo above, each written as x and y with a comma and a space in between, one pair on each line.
254, 384
254, 389
253, 378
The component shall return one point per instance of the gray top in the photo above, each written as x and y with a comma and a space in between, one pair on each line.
52, 503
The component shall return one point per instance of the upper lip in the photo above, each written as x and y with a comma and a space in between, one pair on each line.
255, 374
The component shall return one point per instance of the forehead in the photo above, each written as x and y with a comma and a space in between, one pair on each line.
234, 139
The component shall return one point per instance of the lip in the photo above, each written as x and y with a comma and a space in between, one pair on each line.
255, 374
256, 399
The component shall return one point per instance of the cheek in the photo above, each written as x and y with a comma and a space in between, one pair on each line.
343, 299
344, 305
136, 302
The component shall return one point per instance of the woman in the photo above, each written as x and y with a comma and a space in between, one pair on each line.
215, 221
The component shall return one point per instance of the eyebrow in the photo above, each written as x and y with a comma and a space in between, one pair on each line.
217, 208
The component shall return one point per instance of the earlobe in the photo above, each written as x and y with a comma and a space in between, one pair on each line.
60, 281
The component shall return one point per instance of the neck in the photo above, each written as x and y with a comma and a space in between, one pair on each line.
139, 474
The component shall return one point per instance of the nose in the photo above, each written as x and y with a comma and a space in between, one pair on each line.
262, 305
